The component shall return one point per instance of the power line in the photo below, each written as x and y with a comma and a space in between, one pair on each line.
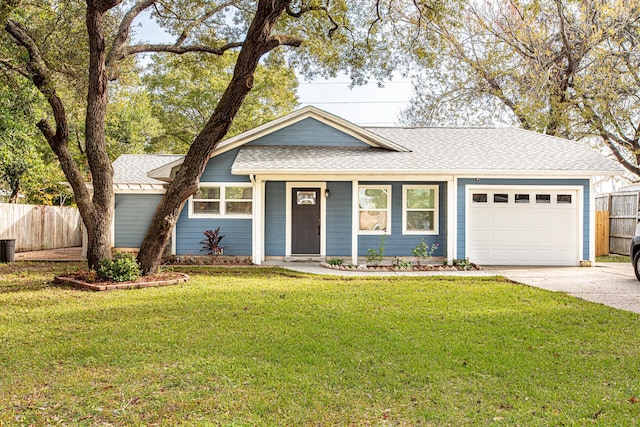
354, 102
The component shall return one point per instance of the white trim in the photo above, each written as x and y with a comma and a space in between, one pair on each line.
394, 174
223, 201
322, 186
354, 175
592, 224
257, 250
435, 209
388, 210
549, 187
452, 224
354, 222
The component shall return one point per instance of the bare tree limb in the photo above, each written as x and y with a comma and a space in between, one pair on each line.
154, 48
122, 36
307, 9
187, 30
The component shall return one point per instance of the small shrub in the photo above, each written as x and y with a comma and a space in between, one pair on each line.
211, 243
422, 251
122, 268
463, 264
335, 261
374, 257
402, 264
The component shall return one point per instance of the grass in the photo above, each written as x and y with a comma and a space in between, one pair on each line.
271, 347
613, 258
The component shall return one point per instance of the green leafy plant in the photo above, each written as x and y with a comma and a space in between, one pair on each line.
121, 268
374, 257
422, 251
211, 243
402, 264
463, 264
335, 261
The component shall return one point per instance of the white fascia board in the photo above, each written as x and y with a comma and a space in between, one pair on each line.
395, 172
354, 176
163, 173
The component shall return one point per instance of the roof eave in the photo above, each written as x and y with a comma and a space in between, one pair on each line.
457, 172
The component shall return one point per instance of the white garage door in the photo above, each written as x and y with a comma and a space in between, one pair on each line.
523, 226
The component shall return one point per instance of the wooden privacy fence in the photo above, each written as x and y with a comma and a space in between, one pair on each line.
622, 212
40, 227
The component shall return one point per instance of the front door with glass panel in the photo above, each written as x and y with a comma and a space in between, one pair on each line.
305, 221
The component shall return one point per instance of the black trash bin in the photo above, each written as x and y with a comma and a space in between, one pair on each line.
7, 250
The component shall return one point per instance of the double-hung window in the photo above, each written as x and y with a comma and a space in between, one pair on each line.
374, 209
216, 200
420, 209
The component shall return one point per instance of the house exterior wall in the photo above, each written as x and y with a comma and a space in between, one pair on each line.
309, 132
462, 200
398, 244
219, 169
190, 232
237, 231
339, 219
133, 215
274, 218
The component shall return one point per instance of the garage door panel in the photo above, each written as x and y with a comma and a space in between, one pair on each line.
523, 233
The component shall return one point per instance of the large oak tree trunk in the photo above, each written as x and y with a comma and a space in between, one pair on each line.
99, 226
257, 43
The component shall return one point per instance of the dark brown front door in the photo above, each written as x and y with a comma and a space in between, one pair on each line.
305, 221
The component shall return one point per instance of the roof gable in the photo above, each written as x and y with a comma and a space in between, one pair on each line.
309, 132
358, 133
350, 134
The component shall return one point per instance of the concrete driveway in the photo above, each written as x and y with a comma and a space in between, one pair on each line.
612, 284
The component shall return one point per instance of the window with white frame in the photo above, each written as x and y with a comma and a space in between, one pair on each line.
420, 209
374, 209
214, 200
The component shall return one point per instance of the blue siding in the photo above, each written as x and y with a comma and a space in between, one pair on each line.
237, 232
219, 169
133, 214
339, 217
190, 232
309, 132
541, 182
397, 244
275, 218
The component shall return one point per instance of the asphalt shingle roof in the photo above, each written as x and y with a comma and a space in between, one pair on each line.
435, 150
133, 168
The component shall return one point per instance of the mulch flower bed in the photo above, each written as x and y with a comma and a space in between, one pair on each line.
89, 281
426, 267
207, 260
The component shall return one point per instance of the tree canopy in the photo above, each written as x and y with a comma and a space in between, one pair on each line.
70, 51
562, 67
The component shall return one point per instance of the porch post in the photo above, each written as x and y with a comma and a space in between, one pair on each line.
258, 222
355, 223
451, 219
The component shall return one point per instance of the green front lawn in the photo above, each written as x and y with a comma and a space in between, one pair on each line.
271, 347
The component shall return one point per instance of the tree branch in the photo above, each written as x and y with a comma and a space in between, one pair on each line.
196, 22
40, 75
125, 28
307, 9
58, 139
170, 48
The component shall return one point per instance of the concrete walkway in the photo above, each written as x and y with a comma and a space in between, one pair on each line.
612, 284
